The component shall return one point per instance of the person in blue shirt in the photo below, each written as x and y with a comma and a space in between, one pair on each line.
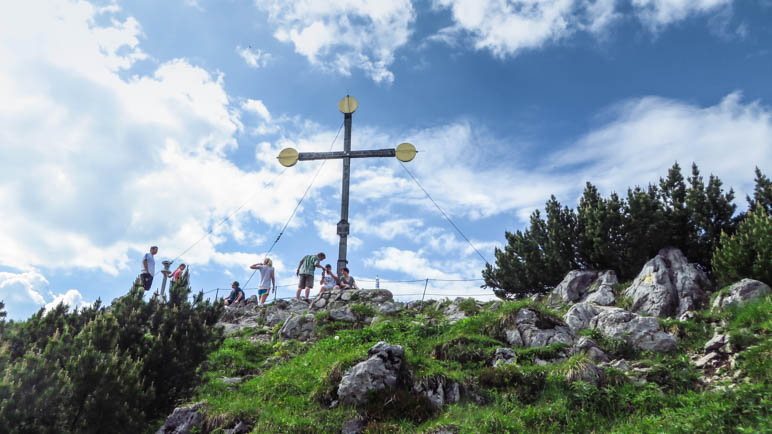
235, 296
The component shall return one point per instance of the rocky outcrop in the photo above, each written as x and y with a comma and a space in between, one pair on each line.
574, 285
642, 332
300, 327
531, 328
504, 356
742, 292
585, 345
581, 286
439, 391
379, 372
182, 420
668, 285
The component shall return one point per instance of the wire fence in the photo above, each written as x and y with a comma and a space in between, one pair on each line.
287, 291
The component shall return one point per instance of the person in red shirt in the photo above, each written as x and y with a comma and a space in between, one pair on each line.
178, 273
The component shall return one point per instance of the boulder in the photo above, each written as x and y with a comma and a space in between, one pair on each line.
579, 315
239, 428
715, 343
298, 306
375, 295
453, 313
585, 345
504, 356
742, 292
537, 330
389, 308
300, 327
379, 372
319, 303
252, 299
439, 391
589, 373
182, 420
355, 425
643, 332
343, 314
574, 285
274, 314
668, 285
601, 291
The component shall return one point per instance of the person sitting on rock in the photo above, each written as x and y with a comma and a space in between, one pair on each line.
267, 279
329, 279
346, 281
236, 295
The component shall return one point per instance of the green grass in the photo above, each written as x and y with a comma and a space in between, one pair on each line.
295, 394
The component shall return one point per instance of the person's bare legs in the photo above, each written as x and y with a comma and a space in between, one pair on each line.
263, 298
308, 292
297, 296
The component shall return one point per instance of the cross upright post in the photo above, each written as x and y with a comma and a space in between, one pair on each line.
288, 157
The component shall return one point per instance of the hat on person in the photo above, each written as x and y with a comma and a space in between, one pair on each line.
328, 266
236, 283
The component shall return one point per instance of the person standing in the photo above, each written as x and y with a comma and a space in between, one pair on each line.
267, 279
148, 268
305, 271
329, 279
235, 296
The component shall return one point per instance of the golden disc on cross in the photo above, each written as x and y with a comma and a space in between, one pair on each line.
348, 104
288, 157
406, 152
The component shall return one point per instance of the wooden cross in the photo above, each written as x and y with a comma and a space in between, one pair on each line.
288, 157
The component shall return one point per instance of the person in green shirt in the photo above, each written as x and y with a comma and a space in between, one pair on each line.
306, 269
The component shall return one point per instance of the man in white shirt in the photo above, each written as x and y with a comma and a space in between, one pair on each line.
148, 268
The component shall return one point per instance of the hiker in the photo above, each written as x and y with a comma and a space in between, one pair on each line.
329, 279
305, 271
346, 280
177, 275
148, 268
267, 279
235, 296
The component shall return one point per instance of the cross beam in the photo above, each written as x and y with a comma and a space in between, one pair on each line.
288, 157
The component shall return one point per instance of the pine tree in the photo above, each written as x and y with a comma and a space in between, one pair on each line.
747, 254
762, 193
600, 230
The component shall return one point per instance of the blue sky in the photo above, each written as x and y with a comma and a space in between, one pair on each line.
126, 124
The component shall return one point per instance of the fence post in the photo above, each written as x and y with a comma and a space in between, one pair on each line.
425, 285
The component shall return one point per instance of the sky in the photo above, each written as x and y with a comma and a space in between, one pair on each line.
130, 124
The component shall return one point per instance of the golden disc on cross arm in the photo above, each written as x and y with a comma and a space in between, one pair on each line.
348, 104
405, 152
288, 157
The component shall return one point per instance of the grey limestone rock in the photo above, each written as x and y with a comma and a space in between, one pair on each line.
355, 425
574, 285
715, 343
389, 307
537, 330
252, 299
343, 314
300, 327
668, 285
644, 332
375, 295
438, 391
504, 356
379, 372
275, 315
601, 291
588, 346
182, 420
741, 293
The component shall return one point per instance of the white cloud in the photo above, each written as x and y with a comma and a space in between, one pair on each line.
72, 298
643, 137
659, 13
255, 58
507, 27
97, 167
257, 106
343, 35
22, 288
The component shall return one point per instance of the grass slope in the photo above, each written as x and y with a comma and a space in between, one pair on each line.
293, 391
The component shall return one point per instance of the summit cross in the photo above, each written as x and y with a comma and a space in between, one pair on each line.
288, 157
